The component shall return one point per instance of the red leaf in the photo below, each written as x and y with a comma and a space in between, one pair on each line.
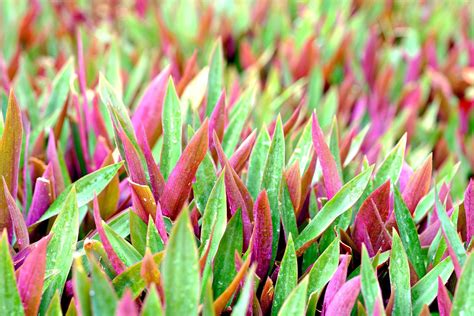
418, 185
179, 183
444, 302
19, 225
332, 181
262, 235
30, 277
143, 201
293, 180
217, 121
240, 156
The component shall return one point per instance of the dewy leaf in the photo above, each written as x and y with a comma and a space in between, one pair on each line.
81, 287
10, 303
332, 181
171, 131
370, 286
324, 268
391, 167
455, 245
215, 81
424, 291
59, 255
295, 302
408, 233
345, 298
179, 183
103, 297
340, 203
400, 278
287, 277
31, 277
240, 308
180, 270
262, 235
86, 187
271, 182
10, 150
469, 210
125, 252
464, 295
257, 161
231, 242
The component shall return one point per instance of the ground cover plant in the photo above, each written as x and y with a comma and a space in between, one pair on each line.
237, 158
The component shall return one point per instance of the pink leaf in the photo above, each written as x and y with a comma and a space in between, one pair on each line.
345, 298
262, 235
418, 185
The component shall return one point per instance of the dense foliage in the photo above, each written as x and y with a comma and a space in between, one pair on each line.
252, 157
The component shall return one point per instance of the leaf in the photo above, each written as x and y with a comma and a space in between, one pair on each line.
332, 180
138, 232
16, 217
370, 286
131, 278
418, 185
287, 277
271, 182
60, 88
59, 255
81, 287
153, 239
180, 270
171, 131
215, 81
178, 187
205, 180
10, 303
340, 203
85, 188
257, 161
237, 119
103, 298
400, 278
295, 302
324, 268
455, 245
152, 305
54, 308
425, 290
262, 235
31, 277
469, 210
391, 167
126, 306
240, 308
408, 234
345, 298
231, 242
462, 301
444, 302
287, 212
10, 150
125, 252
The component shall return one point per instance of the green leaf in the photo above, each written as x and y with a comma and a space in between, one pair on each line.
323, 268
464, 295
180, 270
171, 118
138, 233
287, 277
137, 75
59, 255
370, 285
400, 277
54, 308
208, 300
392, 165
287, 212
152, 305
237, 119
450, 232
426, 289
315, 88
153, 239
408, 233
126, 252
257, 161
60, 88
205, 180
271, 180
215, 81
356, 144
303, 149
112, 68
10, 303
86, 187
82, 285
231, 242
295, 303
103, 297
131, 278
340, 203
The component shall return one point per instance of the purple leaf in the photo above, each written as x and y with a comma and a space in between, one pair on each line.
345, 298
240, 156
19, 226
336, 282
332, 181
444, 302
262, 235
469, 209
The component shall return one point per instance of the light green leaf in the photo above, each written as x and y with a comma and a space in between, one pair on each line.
464, 295
10, 303
400, 277
323, 268
138, 233
287, 277
392, 165
257, 161
369, 285
295, 303
171, 130
103, 297
215, 82
180, 270
152, 305
126, 252
340, 203
240, 308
